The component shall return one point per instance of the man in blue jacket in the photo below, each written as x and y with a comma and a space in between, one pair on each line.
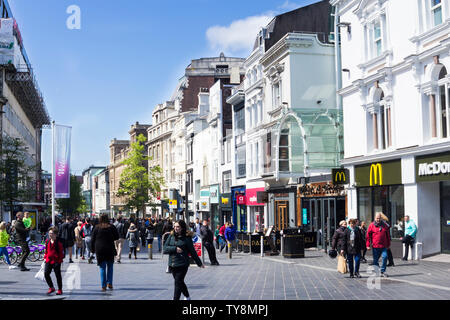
410, 236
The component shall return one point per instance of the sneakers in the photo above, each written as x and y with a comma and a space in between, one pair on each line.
24, 269
51, 290
357, 275
103, 289
110, 286
187, 298
59, 292
118, 261
70, 261
12, 267
351, 275
384, 275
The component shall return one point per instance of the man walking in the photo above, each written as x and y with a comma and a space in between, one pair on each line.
207, 241
158, 229
120, 226
67, 236
378, 236
197, 227
410, 236
22, 232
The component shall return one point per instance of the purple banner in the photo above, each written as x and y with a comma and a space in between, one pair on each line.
61, 161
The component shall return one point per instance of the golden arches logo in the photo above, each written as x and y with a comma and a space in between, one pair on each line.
341, 176
376, 170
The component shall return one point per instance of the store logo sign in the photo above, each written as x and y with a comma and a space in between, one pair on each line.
340, 176
435, 168
376, 174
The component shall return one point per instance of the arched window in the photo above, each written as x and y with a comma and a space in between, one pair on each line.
442, 104
380, 116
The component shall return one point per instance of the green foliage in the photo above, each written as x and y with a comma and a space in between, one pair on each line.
71, 205
17, 176
138, 182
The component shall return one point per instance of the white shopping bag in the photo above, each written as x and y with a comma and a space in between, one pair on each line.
40, 274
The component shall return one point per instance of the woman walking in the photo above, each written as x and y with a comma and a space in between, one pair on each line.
4, 237
79, 240
102, 245
339, 242
178, 245
53, 257
133, 240
363, 230
150, 234
354, 245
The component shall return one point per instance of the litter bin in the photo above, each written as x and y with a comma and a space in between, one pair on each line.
293, 243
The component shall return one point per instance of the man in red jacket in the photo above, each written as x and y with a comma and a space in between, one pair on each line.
378, 236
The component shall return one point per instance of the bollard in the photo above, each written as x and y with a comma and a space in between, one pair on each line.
282, 245
250, 244
229, 249
262, 246
150, 251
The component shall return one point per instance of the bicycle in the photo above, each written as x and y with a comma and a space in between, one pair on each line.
12, 255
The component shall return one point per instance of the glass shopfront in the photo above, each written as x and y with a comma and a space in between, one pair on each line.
445, 217
386, 199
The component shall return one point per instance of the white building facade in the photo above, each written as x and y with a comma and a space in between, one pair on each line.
395, 96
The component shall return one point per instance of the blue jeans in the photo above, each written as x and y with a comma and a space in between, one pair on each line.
350, 258
4, 251
377, 252
106, 272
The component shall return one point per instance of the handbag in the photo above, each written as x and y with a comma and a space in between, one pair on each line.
169, 269
342, 264
40, 274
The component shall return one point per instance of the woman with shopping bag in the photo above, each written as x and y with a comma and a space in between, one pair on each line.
339, 244
54, 256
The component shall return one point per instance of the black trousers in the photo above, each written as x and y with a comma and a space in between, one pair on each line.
48, 269
143, 239
409, 242
211, 251
133, 250
179, 273
390, 257
25, 253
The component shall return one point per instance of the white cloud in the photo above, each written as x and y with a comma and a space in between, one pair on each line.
288, 6
239, 36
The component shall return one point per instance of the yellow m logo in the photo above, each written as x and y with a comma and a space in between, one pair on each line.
341, 176
376, 171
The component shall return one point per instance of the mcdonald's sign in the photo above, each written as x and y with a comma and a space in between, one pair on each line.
340, 176
379, 174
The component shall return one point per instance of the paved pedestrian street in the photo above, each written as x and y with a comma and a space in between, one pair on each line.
244, 277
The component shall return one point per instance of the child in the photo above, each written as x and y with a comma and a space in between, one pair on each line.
54, 255
4, 237
27, 223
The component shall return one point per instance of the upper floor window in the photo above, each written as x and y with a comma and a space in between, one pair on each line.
442, 105
377, 39
276, 94
436, 12
380, 120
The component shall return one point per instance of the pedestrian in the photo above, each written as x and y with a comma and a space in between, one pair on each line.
178, 245
216, 237
78, 240
197, 226
133, 240
363, 230
207, 241
120, 226
102, 245
378, 237
87, 230
143, 234
389, 252
4, 237
355, 244
339, 241
167, 226
67, 236
222, 240
158, 229
230, 235
410, 236
53, 257
21, 235
150, 234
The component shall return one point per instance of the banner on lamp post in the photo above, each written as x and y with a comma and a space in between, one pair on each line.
61, 161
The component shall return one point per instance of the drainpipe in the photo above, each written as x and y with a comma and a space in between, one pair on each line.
338, 64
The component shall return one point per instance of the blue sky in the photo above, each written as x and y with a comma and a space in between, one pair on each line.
126, 58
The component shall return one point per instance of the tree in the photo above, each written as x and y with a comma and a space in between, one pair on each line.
137, 182
71, 205
17, 174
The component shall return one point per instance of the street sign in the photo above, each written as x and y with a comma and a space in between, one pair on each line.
173, 204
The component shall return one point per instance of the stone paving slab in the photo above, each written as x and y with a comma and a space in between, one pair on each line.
245, 277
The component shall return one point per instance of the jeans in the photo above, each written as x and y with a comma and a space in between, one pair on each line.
377, 253
179, 273
48, 269
87, 241
350, 258
4, 251
106, 273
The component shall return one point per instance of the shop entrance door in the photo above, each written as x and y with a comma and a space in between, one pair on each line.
282, 218
445, 217
324, 220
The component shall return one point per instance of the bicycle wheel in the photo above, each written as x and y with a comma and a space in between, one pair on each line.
13, 257
33, 256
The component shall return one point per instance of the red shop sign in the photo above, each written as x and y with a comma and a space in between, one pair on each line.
240, 199
252, 199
